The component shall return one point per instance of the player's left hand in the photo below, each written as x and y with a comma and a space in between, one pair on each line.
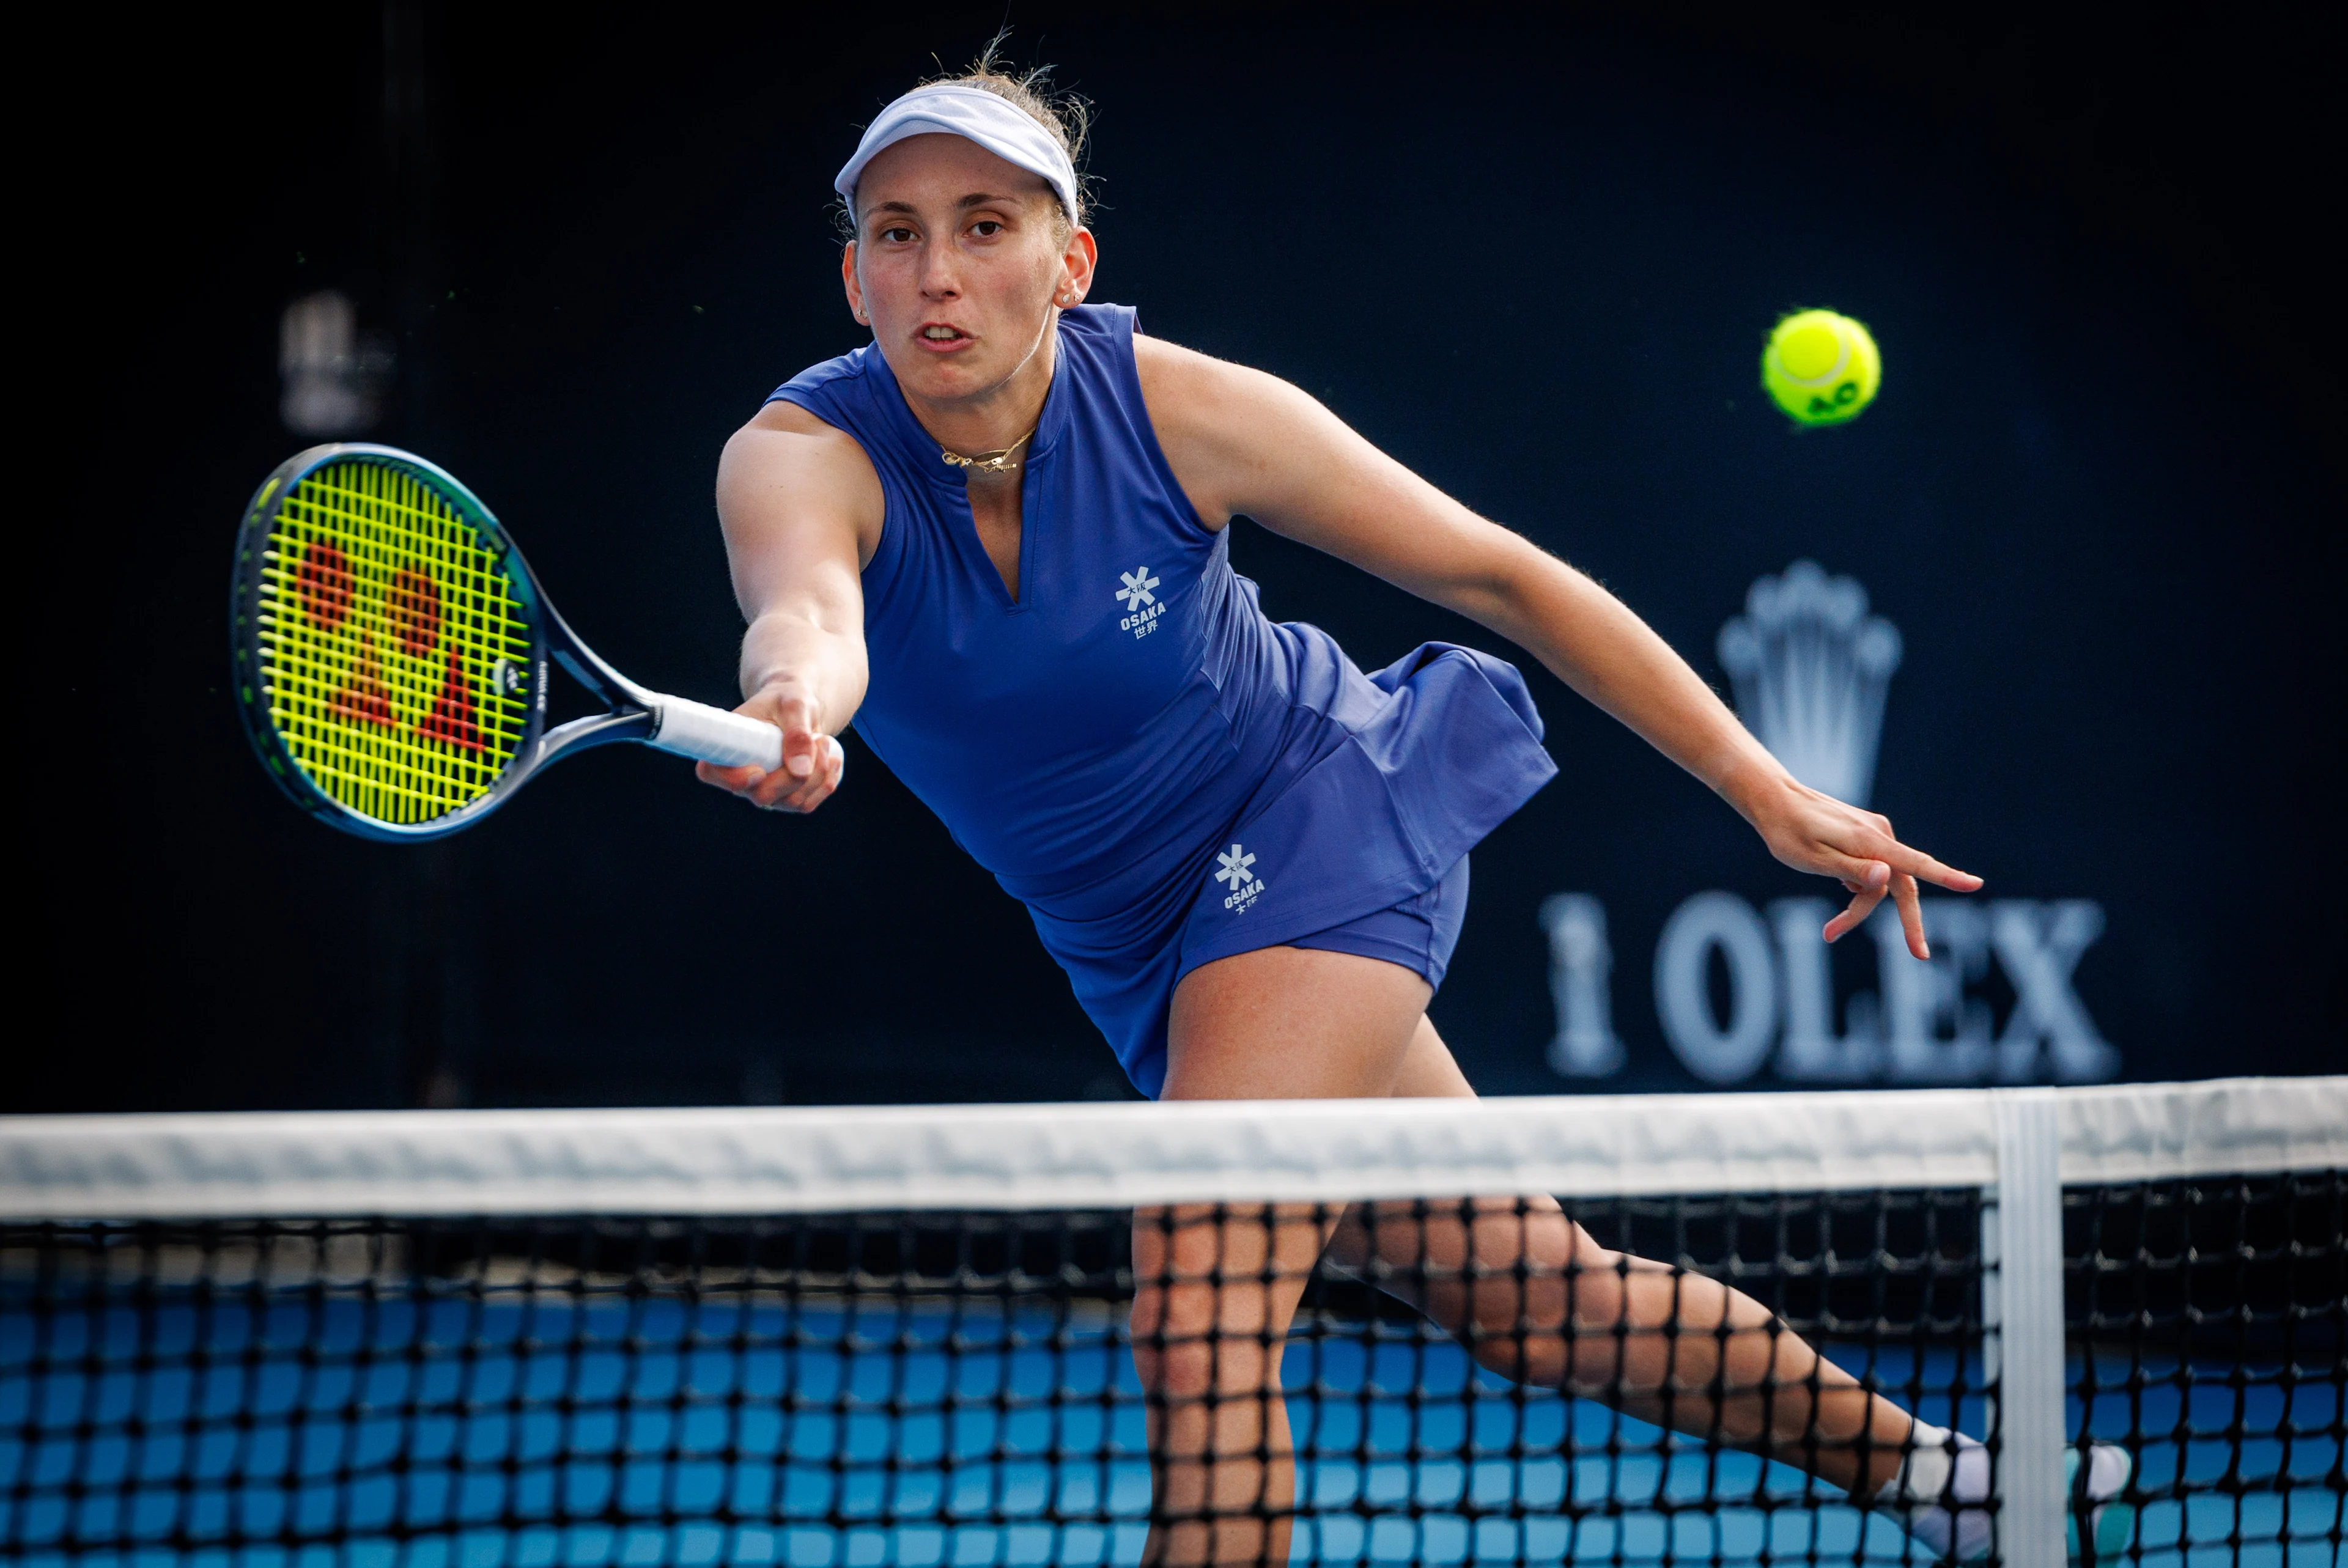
1813, 832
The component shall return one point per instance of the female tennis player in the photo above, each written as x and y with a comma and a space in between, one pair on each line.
996, 539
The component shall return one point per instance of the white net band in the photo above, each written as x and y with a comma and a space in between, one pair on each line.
815, 1159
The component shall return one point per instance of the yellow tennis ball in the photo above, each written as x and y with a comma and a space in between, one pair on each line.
1822, 368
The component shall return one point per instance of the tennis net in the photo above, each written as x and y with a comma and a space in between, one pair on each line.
1034, 1335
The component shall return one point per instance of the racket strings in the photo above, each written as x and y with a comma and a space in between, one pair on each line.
396, 653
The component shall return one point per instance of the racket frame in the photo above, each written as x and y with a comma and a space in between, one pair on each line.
632, 711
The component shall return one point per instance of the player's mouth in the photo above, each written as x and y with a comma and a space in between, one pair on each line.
940, 337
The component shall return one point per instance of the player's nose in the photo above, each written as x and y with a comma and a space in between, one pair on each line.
938, 280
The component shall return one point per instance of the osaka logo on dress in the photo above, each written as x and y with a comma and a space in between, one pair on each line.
1138, 595
1245, 884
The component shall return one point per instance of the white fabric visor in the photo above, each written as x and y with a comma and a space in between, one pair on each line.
977, 116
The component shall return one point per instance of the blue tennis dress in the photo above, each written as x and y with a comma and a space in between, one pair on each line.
1159, 772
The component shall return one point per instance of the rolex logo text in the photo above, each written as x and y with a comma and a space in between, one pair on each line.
1739, 988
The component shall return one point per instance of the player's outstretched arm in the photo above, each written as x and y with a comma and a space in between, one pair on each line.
801, 510
1243, 442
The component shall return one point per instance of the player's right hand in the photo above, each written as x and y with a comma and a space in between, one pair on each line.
812, 759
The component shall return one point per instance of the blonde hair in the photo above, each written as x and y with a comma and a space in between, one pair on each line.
1066, 116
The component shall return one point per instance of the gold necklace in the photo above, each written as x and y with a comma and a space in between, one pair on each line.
1005, 461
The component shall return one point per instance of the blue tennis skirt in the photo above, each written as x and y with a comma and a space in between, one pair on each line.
1358, 844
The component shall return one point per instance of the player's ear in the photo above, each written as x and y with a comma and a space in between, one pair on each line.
1077, 259
848, 283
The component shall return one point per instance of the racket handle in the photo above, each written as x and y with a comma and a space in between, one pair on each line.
710, 734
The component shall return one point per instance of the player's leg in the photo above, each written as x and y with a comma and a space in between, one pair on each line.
1535, 1298
1215, 1288
1511, 1276
1217, 1285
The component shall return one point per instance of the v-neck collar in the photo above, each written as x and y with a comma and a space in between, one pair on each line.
919, 452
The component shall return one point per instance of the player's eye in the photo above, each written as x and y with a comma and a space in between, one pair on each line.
897, 236
986, 227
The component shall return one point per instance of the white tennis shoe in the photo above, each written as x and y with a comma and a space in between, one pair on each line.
2111, 1523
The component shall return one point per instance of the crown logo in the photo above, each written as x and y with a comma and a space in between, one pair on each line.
1811, 668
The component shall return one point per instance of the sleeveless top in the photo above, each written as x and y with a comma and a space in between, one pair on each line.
1107, 742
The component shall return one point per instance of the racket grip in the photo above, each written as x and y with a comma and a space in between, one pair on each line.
710, 734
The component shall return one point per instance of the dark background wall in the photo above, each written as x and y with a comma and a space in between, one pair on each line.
2099, 495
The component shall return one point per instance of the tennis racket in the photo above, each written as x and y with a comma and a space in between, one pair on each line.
391, 649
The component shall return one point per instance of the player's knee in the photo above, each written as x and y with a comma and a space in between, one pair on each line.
1176, 1371
1522, 1340
1173, 1335
1508, 1351
1174, 1366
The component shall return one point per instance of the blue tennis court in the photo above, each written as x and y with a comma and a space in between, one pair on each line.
543, 1428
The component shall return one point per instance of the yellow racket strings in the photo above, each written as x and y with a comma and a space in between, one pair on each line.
397, 657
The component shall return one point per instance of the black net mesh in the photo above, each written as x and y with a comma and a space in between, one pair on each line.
2208, 1324
991, 1388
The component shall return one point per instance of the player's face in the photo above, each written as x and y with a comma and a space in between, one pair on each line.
956, 265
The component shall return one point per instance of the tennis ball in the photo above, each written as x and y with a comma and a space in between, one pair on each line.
1822, 368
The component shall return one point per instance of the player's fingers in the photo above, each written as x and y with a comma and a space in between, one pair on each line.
1912, 913
784, 792
806, 795
831, 766
1862, 905
820, 788
1872, 835
774, 790
802, 737
802, 749
1856, 871
817, 765
738, 781
1867, 880
1915, 863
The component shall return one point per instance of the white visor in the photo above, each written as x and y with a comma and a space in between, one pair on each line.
976, 115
